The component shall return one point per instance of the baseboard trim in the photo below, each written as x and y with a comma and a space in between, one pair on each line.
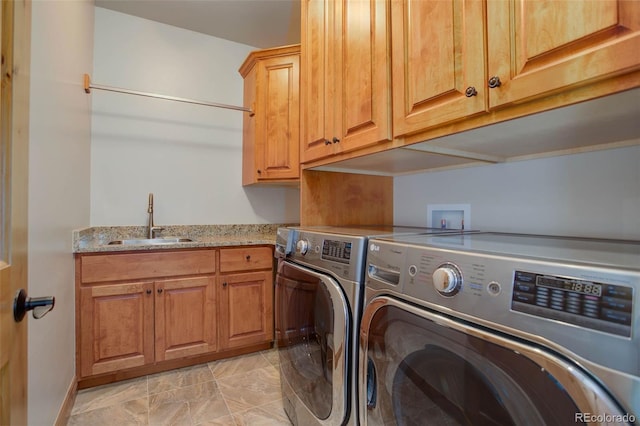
106, 378
70, 398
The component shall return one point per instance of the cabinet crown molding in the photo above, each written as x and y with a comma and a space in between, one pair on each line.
257, 55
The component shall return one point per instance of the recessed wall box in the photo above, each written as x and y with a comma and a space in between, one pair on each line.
449, 216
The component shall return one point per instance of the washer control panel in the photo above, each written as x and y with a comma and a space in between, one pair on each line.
336, 250
340, 255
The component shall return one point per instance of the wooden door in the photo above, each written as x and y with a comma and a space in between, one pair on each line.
278, 124
116, 331
437, 56
316, 91
15, 30
246, 309
361, 76
185, 317
544, 46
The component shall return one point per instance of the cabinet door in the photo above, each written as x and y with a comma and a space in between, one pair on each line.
185, 317
278, 121
246, 309
116, 329
543, 46
437, 55
316, 91
345, 76
361, 75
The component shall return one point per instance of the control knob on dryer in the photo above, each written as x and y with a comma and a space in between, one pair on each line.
302, 246
447, 279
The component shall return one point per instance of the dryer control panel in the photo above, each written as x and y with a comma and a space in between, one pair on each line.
596, 305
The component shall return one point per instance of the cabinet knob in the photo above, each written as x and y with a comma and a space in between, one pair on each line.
159, 290
224, 284
471, 91
335, 140
148, 291
327, 142
494, 82
248, 257
259, 171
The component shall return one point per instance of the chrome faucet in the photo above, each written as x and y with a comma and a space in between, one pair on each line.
151, 228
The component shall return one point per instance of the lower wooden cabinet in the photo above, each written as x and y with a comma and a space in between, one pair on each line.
185, 317
116, 327
129, 319
246, 304
246, 298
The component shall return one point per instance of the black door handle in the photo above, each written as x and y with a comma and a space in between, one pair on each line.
39, 305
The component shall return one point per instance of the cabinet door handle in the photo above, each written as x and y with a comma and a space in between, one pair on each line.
259, 171
471, 91
335, 140
224, 284
494, 82
248, 257
148, 291
327, 142
159, 290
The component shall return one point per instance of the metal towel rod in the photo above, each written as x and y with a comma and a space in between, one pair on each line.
88, 86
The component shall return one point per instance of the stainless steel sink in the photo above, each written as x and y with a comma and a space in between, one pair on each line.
150, 241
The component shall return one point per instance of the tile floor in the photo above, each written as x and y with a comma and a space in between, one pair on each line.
238, 391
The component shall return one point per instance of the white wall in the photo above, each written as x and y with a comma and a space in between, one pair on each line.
60, 120
189, 156
590, 194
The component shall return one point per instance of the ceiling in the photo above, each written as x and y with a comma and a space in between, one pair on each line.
258, 23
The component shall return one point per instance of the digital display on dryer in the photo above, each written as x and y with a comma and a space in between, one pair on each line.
578, 286
599, 306
337, 251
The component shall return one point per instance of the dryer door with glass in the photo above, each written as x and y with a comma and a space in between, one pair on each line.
421, 367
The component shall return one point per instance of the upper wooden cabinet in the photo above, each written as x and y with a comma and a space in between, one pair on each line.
540, 47
271, 134
442, 73
438, 62
345, 76
534, 49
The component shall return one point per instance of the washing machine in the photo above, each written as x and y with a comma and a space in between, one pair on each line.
500, 329
318, 304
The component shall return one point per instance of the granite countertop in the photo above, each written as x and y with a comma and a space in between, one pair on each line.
96, 239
